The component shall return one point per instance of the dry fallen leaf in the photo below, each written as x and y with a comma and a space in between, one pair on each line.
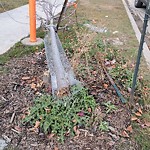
147, 124
40, 84
93, 21
105, 86
25, 78
74, 121
50, 135
23, 117
129, 128
89, 110
33, 86
138, 114
18, 128
32, 129
77, 132
33, 79
140, 110
124, 134
55, 148
37, 124
133, 118
47, 110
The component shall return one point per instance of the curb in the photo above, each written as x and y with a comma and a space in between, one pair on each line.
146, 51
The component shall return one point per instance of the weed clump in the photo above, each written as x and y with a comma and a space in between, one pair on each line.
60, 116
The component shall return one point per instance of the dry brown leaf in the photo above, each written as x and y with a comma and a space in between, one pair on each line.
74, 120
77, 132
124, 66
40, 84
33, 79
94, 72
113, 66
37, 124
50, 135
124, 134
33, 86
129, 128
25, 78
134, 118
55, 148
75, 129
18, 128
47, 110
147, 123
140, 110
93, 21
138, 114
139, 121
105, 86
23, 117
89, 110
29, 81
32, 129
41, 117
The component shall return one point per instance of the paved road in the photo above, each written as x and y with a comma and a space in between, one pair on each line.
14, 24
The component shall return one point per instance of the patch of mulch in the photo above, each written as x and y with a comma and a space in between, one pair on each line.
23, 82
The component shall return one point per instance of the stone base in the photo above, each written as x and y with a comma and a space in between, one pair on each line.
27, 42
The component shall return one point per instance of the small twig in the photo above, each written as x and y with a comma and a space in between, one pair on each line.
15, 131
4, 98
12, 117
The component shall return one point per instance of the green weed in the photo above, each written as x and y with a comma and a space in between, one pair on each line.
109, 107
64, 114
103, 126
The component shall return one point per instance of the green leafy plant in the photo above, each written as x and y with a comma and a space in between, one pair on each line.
103, 126
60, 116
109, 107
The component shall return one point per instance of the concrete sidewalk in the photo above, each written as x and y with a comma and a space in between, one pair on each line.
14, 24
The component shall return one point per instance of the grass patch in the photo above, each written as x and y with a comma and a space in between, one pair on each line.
11, 4
61, 116
142, 137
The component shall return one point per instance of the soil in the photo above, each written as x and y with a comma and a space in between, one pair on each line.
20, 84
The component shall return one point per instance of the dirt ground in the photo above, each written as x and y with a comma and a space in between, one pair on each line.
17, 93
22, 81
